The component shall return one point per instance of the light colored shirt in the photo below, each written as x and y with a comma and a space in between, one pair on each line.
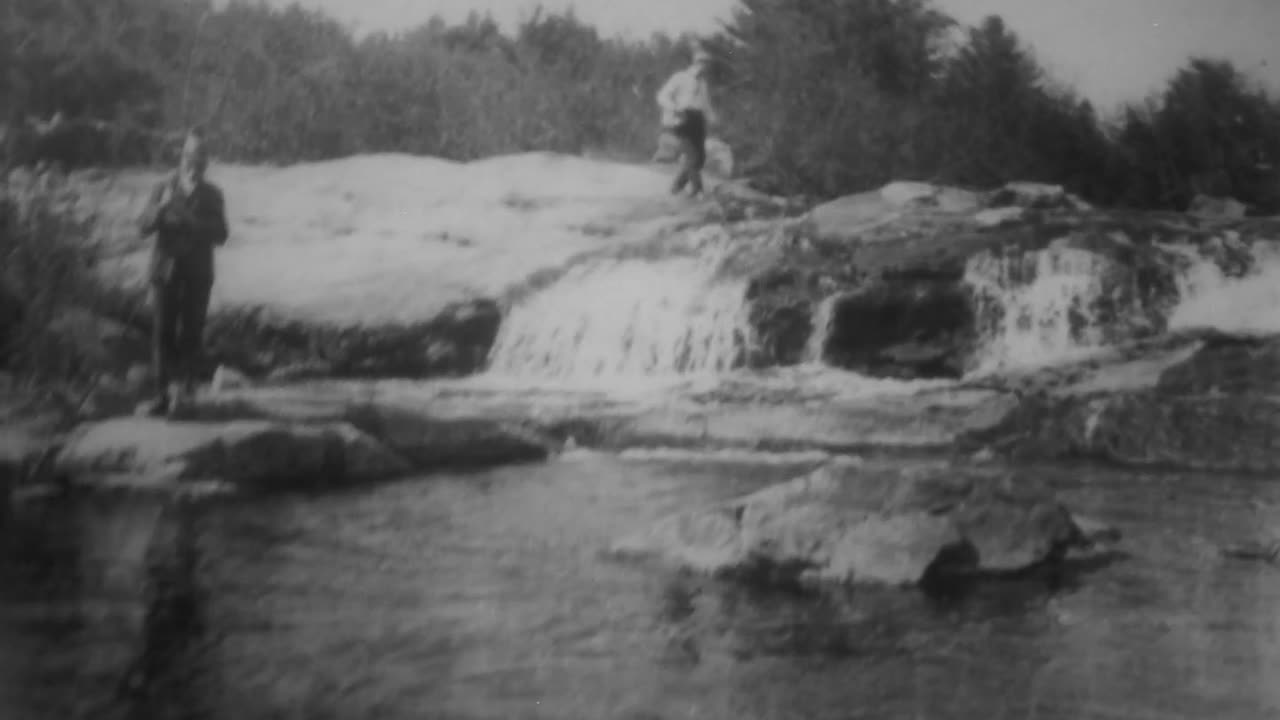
685, 90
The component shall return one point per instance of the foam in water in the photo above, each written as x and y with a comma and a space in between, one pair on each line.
1210, 299
1039, 306
628, 318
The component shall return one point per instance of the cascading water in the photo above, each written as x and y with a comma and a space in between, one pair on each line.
823, 317
680, 316
1036, 308
1040, 308
1209, 298
628, 318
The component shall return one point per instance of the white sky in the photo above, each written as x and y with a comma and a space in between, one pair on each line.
1111, 50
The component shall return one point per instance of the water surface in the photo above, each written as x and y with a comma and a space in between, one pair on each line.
486, 596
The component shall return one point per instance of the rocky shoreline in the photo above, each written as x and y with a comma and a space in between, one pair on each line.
1158, 409
891, 271
898, 274
908, 281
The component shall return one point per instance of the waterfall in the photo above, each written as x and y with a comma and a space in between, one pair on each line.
1209, 298
680, 312
627, 318
1036, 308
1039, 308
823, 317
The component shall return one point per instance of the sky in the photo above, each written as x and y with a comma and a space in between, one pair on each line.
1110, 50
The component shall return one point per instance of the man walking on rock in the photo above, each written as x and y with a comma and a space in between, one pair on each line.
187, 215
686, 113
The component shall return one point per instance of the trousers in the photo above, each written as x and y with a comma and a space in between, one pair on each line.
692, 134
179, 307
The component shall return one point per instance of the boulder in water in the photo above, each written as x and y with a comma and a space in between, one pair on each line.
846, 523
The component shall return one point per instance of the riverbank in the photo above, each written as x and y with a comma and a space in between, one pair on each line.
379, 316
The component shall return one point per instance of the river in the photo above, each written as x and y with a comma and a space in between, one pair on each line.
488, 596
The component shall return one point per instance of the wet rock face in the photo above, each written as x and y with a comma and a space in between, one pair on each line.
912, 328
1227, 365
1212, 407
782, 331
920, 284
454, 342
1230, 434
844, 523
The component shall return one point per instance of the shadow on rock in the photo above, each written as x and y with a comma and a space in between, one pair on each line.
949, 586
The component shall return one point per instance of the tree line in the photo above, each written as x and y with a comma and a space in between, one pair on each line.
821, 97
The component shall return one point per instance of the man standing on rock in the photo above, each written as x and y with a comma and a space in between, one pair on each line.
187, 215
686, 113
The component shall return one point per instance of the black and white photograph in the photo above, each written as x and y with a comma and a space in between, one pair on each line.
639, 360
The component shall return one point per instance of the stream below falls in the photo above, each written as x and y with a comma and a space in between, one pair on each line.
487, 596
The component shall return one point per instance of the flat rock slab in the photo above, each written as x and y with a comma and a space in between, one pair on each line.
248, 454
449, 423
1201, 402
429, 431
925, 422
848, 523
298, 437
1209, 433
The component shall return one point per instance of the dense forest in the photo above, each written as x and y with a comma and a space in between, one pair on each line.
820, 97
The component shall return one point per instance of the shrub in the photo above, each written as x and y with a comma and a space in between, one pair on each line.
46, 256
821, 97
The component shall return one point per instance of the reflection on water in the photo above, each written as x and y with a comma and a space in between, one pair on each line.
99, 600
486, 596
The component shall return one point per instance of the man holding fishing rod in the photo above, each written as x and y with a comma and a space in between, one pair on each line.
187, 215
686, 113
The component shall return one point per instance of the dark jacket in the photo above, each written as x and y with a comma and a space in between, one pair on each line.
187, 229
